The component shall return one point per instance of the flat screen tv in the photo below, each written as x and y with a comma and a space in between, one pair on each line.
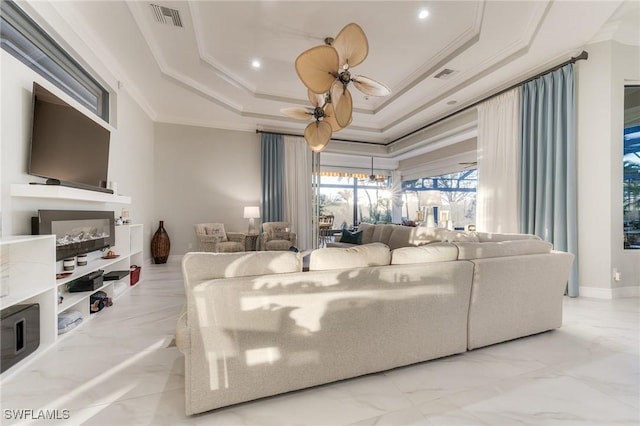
67, 147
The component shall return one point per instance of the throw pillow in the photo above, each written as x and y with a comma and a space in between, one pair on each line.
351, 237
217, 232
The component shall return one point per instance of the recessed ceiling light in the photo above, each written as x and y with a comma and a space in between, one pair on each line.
255, 63
423, 14
452, 102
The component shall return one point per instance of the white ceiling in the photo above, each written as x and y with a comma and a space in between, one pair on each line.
201, 73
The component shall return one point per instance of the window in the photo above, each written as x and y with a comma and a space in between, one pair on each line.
28, 42
446, 200
631, 165
353, 198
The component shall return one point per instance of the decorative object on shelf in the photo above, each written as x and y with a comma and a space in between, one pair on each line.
252, 213
110, 255
160, 245
134, 275
68, 320
99, 301
69, 264
82, 260
63, 275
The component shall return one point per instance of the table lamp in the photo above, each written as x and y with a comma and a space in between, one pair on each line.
252, 213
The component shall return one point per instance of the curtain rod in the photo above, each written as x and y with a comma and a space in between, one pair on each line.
302, 136
584, 55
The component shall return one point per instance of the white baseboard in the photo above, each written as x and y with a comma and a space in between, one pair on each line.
626, 292
609, 293
596, 292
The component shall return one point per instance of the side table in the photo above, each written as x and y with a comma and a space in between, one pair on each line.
250, 242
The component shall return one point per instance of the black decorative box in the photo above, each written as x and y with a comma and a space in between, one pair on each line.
89, 282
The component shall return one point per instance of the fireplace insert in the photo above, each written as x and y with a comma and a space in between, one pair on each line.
76, 231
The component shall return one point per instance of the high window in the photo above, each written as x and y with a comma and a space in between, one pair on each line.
631, 165
28, 42
353, 198
446, 200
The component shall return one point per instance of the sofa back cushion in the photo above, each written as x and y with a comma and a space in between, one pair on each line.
208, 266
381, 233
367, 232
373, 254
434, 252
497, 237
407, 236
470, 250
467, 236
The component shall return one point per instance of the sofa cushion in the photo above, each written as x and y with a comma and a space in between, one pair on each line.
281, 235
470, 250
382, 233
452, 236
367, 232
497, 237
216, 231
351, 237
434, 252
406, 236
208, 266
373, 254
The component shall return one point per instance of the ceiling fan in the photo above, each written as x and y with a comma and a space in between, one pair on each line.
373, 178
317, 133
469, 164
327, 68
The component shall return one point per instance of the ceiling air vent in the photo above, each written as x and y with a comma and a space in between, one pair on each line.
164, 15
445, 74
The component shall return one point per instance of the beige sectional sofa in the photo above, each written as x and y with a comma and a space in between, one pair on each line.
255, 325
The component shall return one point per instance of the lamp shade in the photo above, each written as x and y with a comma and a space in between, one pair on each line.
252, 212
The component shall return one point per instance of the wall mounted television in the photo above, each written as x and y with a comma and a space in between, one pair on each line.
77, 231
67, 147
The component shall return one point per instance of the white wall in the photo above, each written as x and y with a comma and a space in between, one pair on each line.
130, 160
204, 175
600, 101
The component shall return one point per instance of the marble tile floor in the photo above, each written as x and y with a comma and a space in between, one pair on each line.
121, 368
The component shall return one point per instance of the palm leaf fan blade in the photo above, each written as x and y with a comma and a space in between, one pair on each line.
317, 135
330, 117
352, 45
316, 67
343, 109
298, 113
369, 86
316, 99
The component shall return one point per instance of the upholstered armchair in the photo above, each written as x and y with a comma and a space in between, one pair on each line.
212, 237
276, 236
